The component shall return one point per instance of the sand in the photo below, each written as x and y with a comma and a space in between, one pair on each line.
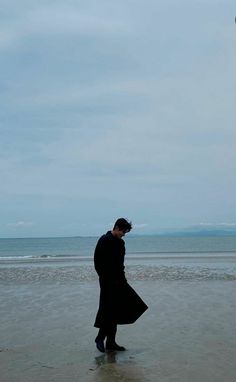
187, 334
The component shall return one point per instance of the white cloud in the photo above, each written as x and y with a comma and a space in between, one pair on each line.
140, 225
20, 224
64, 20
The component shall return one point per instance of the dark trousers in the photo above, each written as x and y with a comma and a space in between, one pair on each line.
108, 332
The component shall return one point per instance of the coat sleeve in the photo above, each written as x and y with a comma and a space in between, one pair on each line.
109, 263
99, 254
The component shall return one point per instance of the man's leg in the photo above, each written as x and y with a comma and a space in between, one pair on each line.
111, 344
111, 333
102, 333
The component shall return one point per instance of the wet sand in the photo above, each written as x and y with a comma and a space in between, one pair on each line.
187, 334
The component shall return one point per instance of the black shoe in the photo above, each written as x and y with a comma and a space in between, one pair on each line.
100, 345
114, 347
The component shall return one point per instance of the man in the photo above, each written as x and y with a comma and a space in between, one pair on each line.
119, 303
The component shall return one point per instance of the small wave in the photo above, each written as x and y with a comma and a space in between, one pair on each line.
43, 257
15, 257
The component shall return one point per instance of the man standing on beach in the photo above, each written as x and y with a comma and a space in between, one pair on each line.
119, 303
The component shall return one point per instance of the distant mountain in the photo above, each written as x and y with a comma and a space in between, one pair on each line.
200, 231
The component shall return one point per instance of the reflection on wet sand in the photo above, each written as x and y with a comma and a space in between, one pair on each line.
106, 358
114, 366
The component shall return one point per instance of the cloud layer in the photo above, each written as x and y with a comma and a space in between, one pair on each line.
121, 109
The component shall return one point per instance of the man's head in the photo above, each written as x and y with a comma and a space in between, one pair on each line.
121, 227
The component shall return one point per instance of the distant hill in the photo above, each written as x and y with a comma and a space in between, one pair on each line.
192, 231
202, 232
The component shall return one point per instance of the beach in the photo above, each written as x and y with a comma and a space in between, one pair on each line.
48, 311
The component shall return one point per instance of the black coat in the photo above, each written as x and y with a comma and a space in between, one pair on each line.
119, 303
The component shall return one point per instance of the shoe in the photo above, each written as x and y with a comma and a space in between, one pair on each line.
114, 347
100, 345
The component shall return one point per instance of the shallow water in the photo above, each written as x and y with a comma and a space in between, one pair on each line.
84, 272
187, 334
147, 258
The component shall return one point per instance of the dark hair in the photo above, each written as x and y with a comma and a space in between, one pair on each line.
123, 225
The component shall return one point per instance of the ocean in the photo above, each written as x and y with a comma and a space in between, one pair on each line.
141, 246
147, 257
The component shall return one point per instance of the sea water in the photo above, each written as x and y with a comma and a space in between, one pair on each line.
136, 246
147, 258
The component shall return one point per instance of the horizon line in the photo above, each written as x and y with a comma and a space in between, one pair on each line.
199, 233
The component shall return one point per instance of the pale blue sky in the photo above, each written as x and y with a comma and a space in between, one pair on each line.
116, 108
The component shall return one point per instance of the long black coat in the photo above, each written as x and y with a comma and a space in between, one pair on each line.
119, 303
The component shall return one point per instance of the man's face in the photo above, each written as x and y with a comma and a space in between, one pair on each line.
119, 233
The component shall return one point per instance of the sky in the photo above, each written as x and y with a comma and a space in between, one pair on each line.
116, 109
